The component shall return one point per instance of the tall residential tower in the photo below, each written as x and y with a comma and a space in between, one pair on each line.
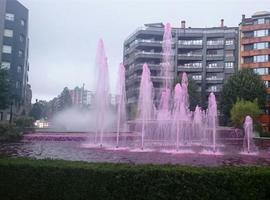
208, 55
14, 44
255, 51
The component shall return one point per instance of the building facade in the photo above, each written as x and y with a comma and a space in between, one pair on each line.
255, 50
14, 43
81, 97
208, 55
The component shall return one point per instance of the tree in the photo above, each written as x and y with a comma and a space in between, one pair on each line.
4, 88
194, 95
37, 111
245, 85
243, 108
65, 99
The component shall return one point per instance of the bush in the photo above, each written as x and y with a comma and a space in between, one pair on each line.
25, 123
47, 179
243, 108
9, 132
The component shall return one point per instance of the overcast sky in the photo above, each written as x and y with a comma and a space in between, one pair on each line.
64, 33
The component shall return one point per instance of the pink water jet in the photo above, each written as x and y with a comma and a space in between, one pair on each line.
146, 108
102, 92
121, 102
249, 146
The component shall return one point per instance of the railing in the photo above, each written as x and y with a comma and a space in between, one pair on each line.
214, 67
190, 54
214, 79
211, 42
190, 42
214, 55
189, 67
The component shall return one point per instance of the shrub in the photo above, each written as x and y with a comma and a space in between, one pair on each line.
25, 123
9, 132
54, 179
243, 108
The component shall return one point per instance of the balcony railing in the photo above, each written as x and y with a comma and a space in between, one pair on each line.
187, 42
214, 78
190, 66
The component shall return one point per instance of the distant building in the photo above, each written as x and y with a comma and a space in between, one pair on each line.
208, 55
255, 51
14, 44
81, 97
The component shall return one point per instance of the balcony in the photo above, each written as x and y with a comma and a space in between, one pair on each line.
218, 68
183, 68
219, 44
255, 65
255, 52
254, 27
213, 90
189, 56
214, 57
193, 44
148, 54
142, 42
255, 40
214, 79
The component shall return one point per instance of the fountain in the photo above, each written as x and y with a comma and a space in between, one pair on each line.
248, 145
121, 102
146, 106
102, 92
212, 119
171, 129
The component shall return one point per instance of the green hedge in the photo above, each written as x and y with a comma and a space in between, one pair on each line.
48, 179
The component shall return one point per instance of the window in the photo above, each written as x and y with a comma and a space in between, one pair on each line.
261, 58
8, 33
229, 53
193, 65
20, 54
7, 49
261, 45
261, 21
197, 77
21, 38
190, 42
19, 69
229, 65
261, 71
1, 116
215, 42
22, 22
10, 17
212, 88
266, 83
229, 42
261, 33
212, 65
5, 65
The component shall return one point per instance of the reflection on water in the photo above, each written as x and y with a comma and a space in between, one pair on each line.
75, 150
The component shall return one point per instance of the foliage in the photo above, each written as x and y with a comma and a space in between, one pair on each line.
245, 85
243, 108
24, 123
65, 99
37, 111
54, 179
194, 95
4, 88
9, 132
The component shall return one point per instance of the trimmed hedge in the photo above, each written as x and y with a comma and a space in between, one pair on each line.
53, 179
